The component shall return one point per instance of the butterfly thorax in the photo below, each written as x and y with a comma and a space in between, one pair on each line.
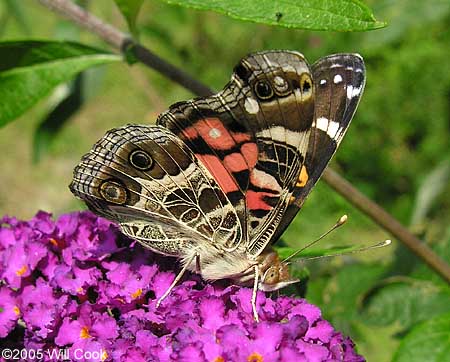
214, 264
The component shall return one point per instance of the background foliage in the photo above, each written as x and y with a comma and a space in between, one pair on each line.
396, 151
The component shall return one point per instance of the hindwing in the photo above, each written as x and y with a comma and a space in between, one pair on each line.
147, 180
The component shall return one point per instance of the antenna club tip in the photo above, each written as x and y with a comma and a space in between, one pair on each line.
387, 242
343, 220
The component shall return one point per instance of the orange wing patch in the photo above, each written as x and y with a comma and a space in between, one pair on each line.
303, 178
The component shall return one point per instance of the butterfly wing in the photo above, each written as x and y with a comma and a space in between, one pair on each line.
338, 85
233, 167
149, 182
253, 137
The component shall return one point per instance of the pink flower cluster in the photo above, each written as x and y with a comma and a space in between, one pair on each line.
77, 283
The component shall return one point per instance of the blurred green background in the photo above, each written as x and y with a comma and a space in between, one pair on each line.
396, 150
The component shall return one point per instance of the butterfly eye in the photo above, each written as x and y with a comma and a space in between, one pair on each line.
271, 276
113, 192
140, 160
263, 90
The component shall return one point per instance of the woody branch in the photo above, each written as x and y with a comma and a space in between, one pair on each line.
124, 43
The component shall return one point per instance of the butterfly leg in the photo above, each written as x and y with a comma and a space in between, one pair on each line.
255, 291
198, 269
177, 279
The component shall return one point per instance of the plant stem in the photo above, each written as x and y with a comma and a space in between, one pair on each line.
126, 44
386, 221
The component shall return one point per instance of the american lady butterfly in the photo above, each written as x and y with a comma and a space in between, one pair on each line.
218, 179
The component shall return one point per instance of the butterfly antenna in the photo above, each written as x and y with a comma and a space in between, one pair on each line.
339, 223
369, 247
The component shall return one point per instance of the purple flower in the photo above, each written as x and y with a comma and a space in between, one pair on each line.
9, 311
19, 260
74, 284
87, 237
43, 308
132, 284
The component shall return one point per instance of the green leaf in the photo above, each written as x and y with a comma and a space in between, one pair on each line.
424, 272
345, 292
29, 70
67, 102
314, 294
407, 303
130, 10
337, 15
370, 338
404, 16
430, 191
429, 341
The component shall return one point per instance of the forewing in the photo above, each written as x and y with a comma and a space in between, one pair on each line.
339, 83
146, 179
253, 137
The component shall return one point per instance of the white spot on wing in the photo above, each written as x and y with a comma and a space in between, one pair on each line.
279, 81
331, 128
251, 106
337, 79
214, 133
323, 81
280, 84
353, 92
282, 134
322, 123
264, 180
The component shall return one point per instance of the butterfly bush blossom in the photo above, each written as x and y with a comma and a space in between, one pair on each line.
77, 287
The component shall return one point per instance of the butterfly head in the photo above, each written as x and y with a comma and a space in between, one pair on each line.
275, 273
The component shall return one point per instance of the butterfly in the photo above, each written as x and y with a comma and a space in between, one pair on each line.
218, 179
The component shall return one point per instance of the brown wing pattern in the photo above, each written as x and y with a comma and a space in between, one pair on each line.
146, 179
233, 169
339, 83
253, 136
